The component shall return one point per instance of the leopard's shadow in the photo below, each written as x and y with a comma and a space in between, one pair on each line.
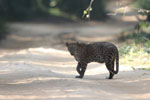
99, 77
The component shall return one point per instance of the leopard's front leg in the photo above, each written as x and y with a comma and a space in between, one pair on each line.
81, 68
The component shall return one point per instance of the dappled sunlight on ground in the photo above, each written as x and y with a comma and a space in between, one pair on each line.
47, 87
33, 79
57, 61
48, 74
129, 18
37, 97
144, 96
5, 71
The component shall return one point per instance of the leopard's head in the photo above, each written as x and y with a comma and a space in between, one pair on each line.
71, 47
75, 48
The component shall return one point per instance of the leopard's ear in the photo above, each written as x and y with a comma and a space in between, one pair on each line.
80, 44
77, 43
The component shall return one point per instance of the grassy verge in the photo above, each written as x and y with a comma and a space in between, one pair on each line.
135, 50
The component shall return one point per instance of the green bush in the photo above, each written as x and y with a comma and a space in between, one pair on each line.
137, 41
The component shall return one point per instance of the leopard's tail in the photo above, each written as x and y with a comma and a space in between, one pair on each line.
117, 63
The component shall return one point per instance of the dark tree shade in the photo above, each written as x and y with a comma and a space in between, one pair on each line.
20, 8
77, 7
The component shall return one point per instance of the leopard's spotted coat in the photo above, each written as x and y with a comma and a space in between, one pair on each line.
102, 52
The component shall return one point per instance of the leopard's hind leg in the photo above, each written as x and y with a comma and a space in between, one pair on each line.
110, 67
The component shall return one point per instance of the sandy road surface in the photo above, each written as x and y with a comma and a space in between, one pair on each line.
30, 69
48, 74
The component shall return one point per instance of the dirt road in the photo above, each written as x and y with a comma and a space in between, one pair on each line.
34, 64
48, 74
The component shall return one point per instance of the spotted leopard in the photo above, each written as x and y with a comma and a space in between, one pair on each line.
101, 52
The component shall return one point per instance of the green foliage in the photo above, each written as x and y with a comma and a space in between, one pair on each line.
124, 50
136, 48
137, 43
147, 69
76, 7
134, 54
143, 4
87, 12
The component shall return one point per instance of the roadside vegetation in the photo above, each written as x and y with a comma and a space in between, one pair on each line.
135, 50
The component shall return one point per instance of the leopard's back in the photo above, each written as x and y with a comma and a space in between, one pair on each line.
104, 52
101, 51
